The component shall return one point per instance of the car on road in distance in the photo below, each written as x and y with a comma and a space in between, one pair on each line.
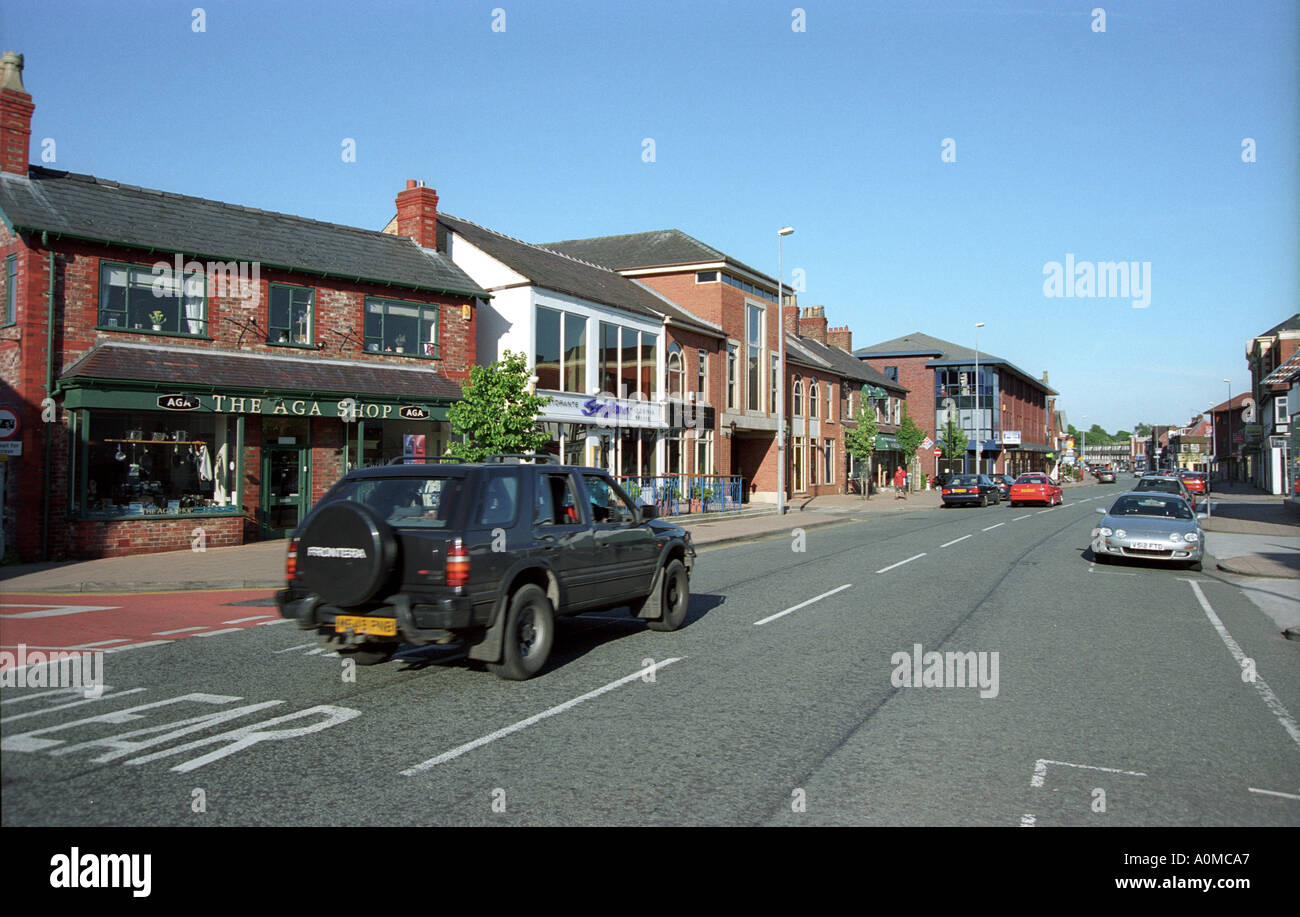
1166, 483
1198, 482
972, 489
488, 554
1035, 487
1106, 476
1004, 482
1149, 525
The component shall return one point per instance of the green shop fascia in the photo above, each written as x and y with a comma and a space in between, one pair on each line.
153, 450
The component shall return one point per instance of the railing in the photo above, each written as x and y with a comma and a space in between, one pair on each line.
680, 494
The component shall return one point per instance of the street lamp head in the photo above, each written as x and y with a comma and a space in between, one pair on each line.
979, 324
785, 231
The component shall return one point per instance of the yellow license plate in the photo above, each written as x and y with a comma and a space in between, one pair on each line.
961, 490
379, 627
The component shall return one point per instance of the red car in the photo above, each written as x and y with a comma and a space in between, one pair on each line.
1195, 481
1035, 487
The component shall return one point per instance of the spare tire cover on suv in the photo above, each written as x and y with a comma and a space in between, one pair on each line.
346, 553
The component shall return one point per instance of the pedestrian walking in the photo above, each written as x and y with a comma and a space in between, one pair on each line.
900, 483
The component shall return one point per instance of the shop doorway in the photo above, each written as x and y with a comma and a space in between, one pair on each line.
286, 489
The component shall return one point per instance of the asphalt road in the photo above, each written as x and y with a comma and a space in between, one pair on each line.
1124, 695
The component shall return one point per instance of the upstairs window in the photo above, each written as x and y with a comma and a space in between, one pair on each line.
136, 298
11, 291
289, 315
407, 328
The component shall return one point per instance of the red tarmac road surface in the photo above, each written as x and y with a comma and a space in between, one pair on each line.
47, 621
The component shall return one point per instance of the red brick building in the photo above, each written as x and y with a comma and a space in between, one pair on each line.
1004, 413
183, 372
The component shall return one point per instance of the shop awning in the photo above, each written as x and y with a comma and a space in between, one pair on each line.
134, 376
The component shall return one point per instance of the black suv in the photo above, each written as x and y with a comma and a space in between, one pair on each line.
485, 553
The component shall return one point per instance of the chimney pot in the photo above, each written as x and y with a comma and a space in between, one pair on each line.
417, 214
15, 115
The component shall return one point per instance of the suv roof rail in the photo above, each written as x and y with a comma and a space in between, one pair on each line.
428, 460
519, 459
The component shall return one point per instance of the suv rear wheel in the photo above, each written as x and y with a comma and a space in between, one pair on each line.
529, 634
674, 594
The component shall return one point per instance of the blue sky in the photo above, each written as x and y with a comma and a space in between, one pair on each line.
1122, 145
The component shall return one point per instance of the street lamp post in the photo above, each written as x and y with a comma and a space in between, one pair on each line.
1083, 448
780, 374
979, 450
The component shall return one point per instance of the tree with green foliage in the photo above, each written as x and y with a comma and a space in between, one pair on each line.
497, 414
861, 442
909, 437
953, 441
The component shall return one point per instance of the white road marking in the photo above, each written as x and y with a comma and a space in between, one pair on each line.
818, 598
1018, 518
1040, 770
86, 646
301, 646
179, 630
1027, 821
213, 633
1051, 509
954, 541
524, 724
1273, 793
246, 620
105, 696
52, 611
28, 695
277, 621
900, 563
991, 527
138, 646
1265, 692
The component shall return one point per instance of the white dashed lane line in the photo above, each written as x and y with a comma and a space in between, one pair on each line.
818, 598
901, 562
954, 541
992, 527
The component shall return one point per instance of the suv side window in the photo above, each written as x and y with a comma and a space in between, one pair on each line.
500, 499
557, 504
607, 505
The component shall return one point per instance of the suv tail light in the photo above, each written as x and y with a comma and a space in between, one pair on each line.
291, 560
457, 564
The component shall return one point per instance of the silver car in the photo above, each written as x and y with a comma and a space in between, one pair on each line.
1149, 525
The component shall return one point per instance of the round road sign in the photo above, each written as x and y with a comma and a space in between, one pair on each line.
8, 423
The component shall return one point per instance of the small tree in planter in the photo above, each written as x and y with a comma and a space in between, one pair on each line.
910, 437
497, 414
861, 442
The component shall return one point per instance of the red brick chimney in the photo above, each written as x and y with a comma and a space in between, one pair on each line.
15, 115
840, 337
790, 317
812, 323
417, 214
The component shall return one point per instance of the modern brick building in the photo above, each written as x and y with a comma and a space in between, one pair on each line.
1002, 410
1266, 445
181, 371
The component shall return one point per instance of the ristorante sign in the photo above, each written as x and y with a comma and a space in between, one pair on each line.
602, 410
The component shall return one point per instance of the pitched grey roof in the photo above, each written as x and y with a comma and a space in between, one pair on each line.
849, 366
662, 248
1291, 324
567, 274
85, 207
944, 353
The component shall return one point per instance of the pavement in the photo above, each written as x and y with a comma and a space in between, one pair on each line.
1249, 533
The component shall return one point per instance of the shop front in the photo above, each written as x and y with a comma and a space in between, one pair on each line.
157, 464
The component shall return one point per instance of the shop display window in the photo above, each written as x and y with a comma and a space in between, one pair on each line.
151, 463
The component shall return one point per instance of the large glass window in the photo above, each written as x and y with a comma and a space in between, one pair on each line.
702, 377
828, 457
649, 366
773, 383
289, 315
391, 439
149, 463
135, 298
575, 353
546, 354
401, 327
629, 374
754, 341
813, 401
609, 358
798, 397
